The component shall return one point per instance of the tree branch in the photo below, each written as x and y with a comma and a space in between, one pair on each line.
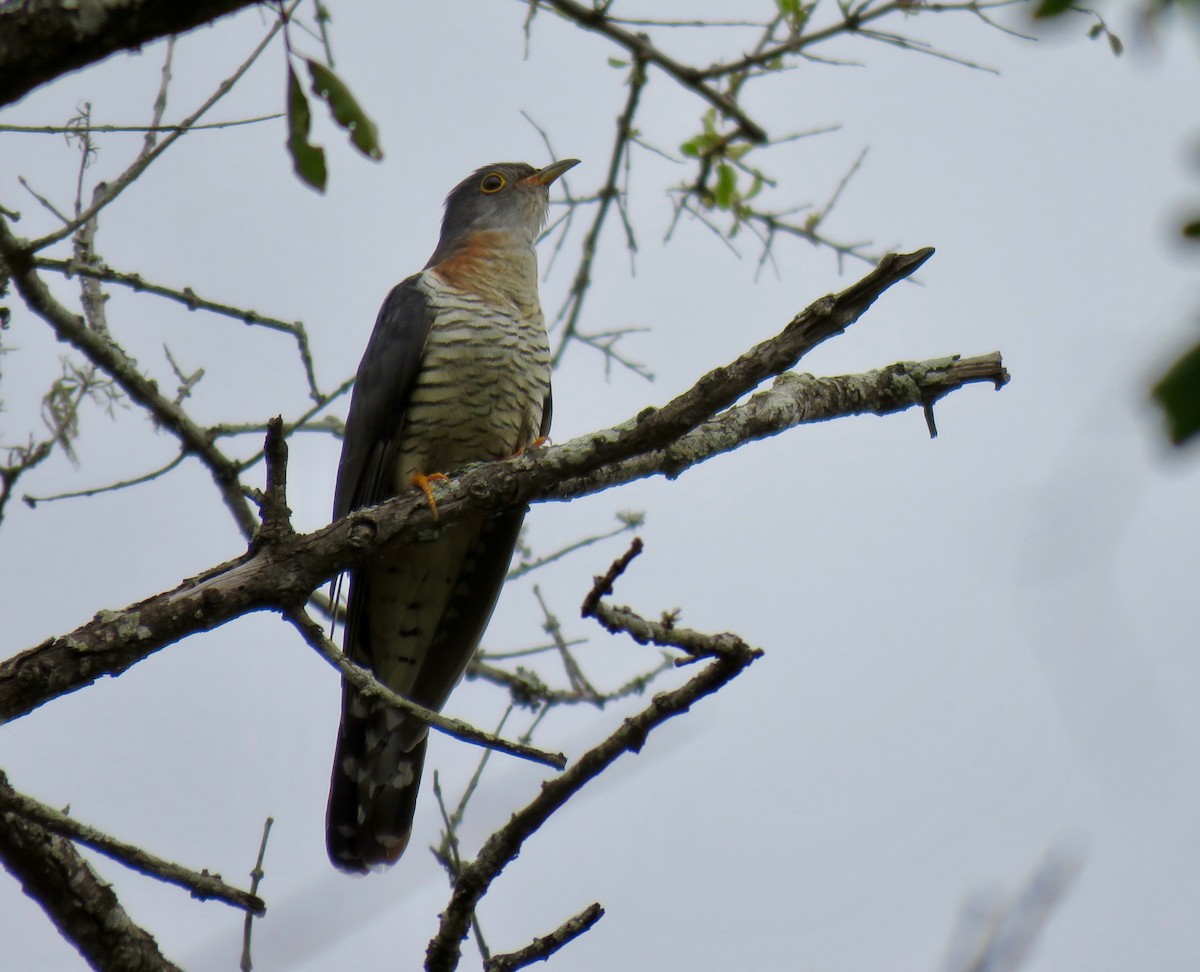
367, 684
573, 307
107, 355
115, 187
190, 299
256, 876
541, 949
795, 399
474, 879
43, 39
281, 575
81, 905
595, 19
201, 884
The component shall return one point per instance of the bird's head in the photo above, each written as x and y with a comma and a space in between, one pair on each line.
508, 197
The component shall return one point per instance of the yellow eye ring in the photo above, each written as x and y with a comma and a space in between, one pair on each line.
492, 182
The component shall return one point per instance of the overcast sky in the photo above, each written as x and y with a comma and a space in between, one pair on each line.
978, 648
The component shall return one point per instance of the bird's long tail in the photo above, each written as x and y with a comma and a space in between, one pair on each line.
373, 792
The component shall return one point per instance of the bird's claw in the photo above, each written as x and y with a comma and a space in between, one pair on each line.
422, 482
535, 444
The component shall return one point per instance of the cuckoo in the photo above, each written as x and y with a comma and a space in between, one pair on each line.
457, 370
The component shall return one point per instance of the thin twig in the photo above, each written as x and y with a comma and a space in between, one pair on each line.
114, 361
531, 692
143, 161
256, 875
551, 626
202, 884
111, 487
19, 461
160, 100
367, 684
639, 46
192, 301
569, 313
542, 948
131, 129
504, 845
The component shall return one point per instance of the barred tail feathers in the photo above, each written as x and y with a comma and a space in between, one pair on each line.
374, 786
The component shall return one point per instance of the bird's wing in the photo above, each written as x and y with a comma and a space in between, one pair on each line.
381, 391
547, 409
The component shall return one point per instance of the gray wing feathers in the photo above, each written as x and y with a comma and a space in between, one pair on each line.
381, 390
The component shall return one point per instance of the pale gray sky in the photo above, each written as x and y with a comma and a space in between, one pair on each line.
976, 647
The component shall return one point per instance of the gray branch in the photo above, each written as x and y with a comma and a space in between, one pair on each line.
542, 948
107, 355
729, 660
280, 575
41, 40
80, 904
202, 884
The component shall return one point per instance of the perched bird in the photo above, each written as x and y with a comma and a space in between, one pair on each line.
456, 371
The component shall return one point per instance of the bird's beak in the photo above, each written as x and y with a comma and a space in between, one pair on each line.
543, 177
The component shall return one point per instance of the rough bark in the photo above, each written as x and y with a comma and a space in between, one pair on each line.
81, 905
280, 573
41, 40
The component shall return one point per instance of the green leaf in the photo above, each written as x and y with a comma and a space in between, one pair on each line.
345, 110
691, 147
308, 160
616, 62
726, 186
1052, 8
1178, 393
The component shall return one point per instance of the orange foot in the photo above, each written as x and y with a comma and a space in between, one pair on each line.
536, 444
421, 481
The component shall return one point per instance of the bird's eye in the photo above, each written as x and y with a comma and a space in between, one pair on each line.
492, 182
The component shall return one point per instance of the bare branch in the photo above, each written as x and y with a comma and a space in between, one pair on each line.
111, 487
852, 23
503, 846
528, 690
552, 627
256, 876
92, 297
595, 19
19, 460
573, 306
190, 299
202, 884
629, 521
42, 39
132, 129
282, 576
81, 905
541, 949
160, 100
143, 161
368, 685
112, 359
795, 399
